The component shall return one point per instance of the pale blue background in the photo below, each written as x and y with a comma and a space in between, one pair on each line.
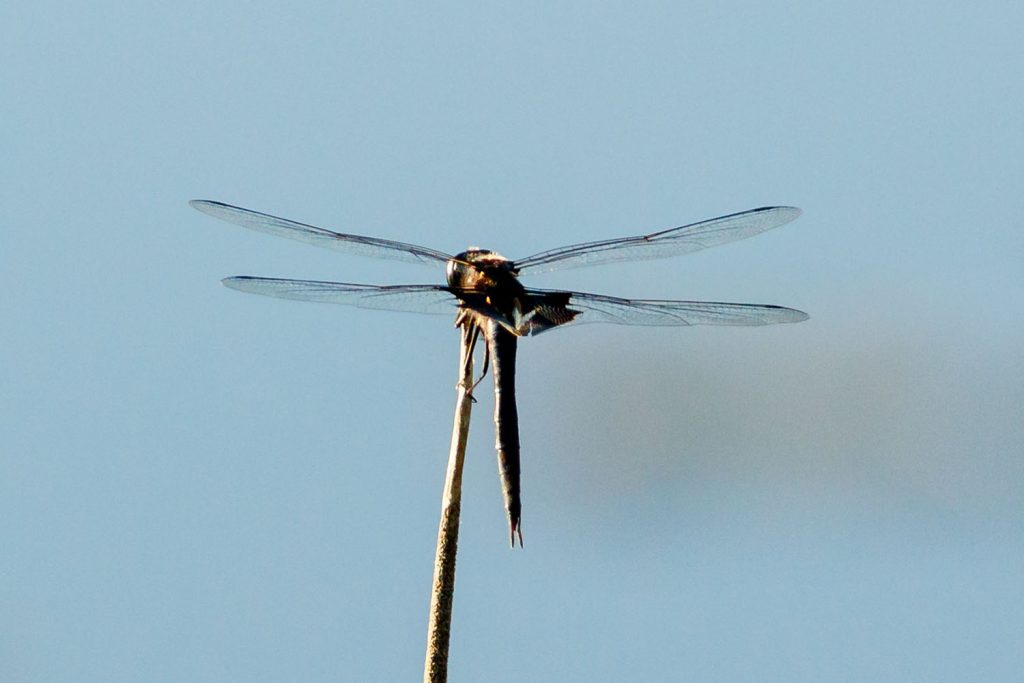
197, 485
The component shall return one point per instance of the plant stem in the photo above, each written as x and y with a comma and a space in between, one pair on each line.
435, 668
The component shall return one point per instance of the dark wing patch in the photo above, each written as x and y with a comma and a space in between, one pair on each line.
587, 308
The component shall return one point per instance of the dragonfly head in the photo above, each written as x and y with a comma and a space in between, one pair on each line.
477, 267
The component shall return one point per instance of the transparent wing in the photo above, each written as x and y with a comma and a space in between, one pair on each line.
682, 240
405, 298
352, 244
610, 309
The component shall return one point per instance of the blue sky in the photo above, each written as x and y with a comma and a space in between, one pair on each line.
201, 485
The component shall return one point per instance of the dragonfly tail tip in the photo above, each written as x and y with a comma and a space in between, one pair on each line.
515, 529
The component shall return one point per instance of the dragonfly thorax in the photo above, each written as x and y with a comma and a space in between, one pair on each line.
486, 282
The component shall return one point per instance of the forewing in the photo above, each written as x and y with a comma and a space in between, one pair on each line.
405, 298
672, 242
351, 244
610, 309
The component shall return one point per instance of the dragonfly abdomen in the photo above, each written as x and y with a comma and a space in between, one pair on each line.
502, 347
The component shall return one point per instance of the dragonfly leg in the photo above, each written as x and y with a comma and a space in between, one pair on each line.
483, 373
474, 333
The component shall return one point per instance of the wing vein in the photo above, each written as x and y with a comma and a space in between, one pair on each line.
666, 243
358, 245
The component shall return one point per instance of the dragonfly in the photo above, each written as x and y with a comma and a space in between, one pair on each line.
483, 291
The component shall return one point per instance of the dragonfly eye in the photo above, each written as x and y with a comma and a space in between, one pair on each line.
456, 272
